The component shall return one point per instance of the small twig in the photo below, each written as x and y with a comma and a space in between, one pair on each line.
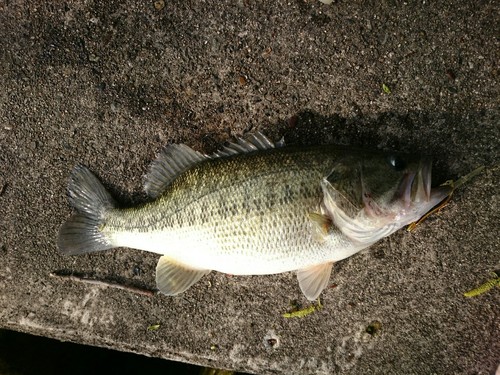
3, 187
454, 186
303, 312
104, 283
490, 284
436, 209
462, 180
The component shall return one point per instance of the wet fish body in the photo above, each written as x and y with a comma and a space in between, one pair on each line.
253, 209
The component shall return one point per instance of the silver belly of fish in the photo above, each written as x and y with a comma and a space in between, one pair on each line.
250, 209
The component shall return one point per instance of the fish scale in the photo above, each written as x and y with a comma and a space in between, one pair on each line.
259, 217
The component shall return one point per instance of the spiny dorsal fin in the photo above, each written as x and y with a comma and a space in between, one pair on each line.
252, 142
172, 161
176, 159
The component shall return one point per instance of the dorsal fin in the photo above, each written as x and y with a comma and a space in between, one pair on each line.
172, 161
178, 158
252, 142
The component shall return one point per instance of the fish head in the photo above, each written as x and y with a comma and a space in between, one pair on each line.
371, 195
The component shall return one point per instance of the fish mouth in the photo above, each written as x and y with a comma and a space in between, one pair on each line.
415, 187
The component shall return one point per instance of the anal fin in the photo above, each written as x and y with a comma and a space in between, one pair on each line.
173, 277
312, 280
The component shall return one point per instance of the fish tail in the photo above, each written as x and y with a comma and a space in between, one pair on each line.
83, 232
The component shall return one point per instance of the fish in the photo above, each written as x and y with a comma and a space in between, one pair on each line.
254, 208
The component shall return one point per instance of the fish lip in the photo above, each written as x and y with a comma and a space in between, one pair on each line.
409, 179
439, 193
421, 186
426, 173
415, 185
422, 190
404, 190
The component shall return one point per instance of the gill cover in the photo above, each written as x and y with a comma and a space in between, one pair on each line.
369, 198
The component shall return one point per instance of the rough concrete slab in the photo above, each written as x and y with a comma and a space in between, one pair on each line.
108, 83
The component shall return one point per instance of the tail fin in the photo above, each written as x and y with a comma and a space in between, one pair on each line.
82, 232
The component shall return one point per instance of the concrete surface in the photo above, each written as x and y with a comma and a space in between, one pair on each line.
109, 83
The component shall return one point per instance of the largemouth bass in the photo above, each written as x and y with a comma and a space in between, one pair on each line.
253, 209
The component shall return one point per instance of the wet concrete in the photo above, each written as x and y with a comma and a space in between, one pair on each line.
107, 84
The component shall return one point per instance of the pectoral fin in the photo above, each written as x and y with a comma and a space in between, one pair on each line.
313, 280
173, 277
321, 226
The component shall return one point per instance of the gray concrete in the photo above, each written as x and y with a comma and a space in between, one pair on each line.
108, 84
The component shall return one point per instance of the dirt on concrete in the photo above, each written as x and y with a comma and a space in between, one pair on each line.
107, 84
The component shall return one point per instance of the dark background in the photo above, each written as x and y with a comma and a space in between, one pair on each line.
108, 83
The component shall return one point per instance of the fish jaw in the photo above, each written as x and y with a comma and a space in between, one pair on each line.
416, 197
412, 199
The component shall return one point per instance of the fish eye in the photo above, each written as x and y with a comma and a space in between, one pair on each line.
396, 163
